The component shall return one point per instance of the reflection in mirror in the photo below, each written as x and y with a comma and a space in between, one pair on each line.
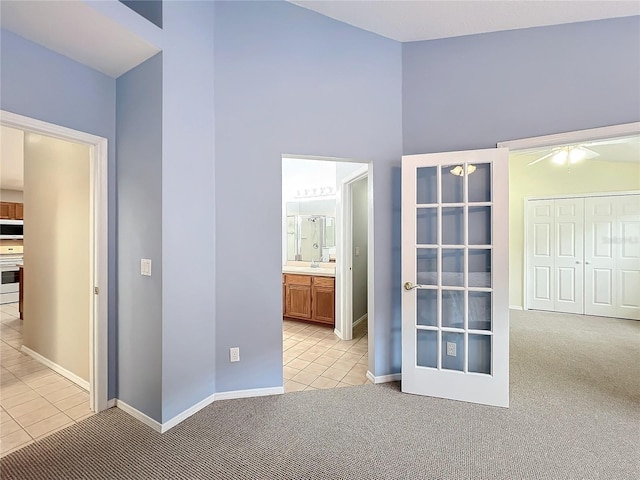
311, 230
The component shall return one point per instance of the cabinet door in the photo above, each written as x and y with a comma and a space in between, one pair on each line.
19, 211
7, 210
298, 296
324, 300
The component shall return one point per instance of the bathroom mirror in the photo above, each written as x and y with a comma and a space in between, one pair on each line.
310, 228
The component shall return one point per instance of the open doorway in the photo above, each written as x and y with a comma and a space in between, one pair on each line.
326, 259
575, 264
54, 336
574, 223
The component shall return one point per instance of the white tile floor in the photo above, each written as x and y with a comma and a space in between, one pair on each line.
34, 400
314, 357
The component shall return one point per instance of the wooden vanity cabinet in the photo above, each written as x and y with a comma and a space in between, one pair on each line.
297, 296
323, 295
309, 297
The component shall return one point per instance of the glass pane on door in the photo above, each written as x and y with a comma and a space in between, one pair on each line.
454, 257
427, 348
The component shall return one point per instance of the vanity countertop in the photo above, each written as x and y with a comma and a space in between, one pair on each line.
320, 272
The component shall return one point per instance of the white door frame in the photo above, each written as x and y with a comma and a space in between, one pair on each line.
98, 326
344, 249
556, 139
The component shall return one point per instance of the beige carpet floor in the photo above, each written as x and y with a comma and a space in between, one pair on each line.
574, 414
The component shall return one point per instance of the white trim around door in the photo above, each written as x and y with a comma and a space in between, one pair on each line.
344, 250
98, 326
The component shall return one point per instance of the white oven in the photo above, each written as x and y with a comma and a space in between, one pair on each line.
10, 262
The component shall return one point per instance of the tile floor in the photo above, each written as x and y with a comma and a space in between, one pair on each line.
34, 400
314, 357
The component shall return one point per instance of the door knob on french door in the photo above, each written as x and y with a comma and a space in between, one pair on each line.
410, 286
577, 262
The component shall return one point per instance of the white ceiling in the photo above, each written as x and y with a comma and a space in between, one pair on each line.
92, 32
83, 31
408, 21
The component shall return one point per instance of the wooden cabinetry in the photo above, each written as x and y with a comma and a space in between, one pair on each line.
308, 297
19, 211
11, 211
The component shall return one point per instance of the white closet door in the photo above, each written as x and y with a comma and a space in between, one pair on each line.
612, 256
540, 255
601, 253
627, 241
569, 266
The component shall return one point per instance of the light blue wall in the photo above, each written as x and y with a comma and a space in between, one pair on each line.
290, 81
41, 84
472, 92
139, 168
188, 207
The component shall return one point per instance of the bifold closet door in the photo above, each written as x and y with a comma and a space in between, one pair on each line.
555, 254
569, 255
540, 253
612, 256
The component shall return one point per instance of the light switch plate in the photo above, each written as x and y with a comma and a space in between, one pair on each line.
357, 251
145, 267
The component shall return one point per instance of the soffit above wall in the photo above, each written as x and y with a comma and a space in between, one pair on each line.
106, 36
409, 21
627, 151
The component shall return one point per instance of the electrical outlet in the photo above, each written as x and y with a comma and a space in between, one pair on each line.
234, 354
451, 349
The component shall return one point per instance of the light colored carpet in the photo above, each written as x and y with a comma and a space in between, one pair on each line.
575, 414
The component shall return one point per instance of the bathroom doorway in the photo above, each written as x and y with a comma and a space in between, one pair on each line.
326, 272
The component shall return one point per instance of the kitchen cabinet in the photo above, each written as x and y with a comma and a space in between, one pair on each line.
309, 297
11, 211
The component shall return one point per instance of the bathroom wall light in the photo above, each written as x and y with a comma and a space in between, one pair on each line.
315, 192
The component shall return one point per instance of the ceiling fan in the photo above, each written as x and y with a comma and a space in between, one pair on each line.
570, 154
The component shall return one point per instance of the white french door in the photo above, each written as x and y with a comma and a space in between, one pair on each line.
455, 316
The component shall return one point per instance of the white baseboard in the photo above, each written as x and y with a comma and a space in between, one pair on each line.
82, 383
112, 403
515, 307
254, 392
338, 334
187, 413
163, 427
394, 377
363, 318
138, 415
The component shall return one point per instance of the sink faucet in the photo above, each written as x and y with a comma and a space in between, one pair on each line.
315, 264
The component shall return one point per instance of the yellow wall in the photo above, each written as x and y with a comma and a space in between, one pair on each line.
546, 178
57, 252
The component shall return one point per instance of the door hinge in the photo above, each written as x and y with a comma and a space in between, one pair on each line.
96, 290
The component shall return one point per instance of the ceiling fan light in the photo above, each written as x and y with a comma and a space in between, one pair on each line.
560, 157
458, 171
576, 154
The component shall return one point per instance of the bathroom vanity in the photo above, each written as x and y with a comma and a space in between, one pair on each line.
309, 294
